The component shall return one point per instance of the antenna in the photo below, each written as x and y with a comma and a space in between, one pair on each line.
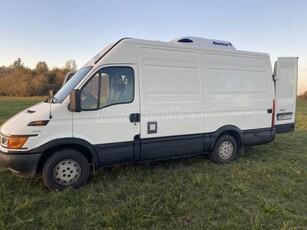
50, 116
51, 98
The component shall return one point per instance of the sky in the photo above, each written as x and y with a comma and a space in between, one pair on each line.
58, 30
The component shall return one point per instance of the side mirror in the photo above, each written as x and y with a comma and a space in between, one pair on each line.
75, 101
51, 98
51, 93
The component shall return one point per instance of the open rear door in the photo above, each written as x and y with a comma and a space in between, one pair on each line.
285, 78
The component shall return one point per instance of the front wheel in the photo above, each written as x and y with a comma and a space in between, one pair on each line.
225, 150
66, 168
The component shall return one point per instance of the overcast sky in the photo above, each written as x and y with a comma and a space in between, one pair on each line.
58, 30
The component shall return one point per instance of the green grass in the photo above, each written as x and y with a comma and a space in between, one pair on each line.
301, 115
9, 106
266, 188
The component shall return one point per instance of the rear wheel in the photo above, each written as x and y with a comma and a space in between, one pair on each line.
225, 150
66, 168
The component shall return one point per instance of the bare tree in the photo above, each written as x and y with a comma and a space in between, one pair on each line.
71, 65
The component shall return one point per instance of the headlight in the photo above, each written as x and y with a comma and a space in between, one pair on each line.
4, 141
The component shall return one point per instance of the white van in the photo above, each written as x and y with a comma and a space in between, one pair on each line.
140, 100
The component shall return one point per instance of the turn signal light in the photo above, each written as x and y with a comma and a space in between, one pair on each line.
38, 123
16, 142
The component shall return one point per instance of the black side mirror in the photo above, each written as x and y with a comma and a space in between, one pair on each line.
75, 101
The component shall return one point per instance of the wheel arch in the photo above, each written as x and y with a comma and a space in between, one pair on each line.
80, 145
231, 130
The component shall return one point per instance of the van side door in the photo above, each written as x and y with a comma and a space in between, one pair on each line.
109, 117
285, 76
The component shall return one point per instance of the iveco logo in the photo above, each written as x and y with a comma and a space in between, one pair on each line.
221, 43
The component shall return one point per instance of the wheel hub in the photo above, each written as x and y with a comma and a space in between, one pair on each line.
226, 150
67, 171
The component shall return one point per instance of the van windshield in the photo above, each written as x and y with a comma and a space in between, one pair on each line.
71, 84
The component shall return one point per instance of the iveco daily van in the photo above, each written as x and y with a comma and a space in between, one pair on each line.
140, 100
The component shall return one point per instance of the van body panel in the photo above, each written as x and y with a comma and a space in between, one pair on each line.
171, 92
238, 90
203, 90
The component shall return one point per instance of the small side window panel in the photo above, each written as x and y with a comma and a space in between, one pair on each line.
121, 85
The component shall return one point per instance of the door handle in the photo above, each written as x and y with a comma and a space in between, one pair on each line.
135, 117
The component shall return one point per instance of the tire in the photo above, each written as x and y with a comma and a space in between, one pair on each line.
225, 150
65, 168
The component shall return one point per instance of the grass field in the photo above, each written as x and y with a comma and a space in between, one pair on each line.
266, 188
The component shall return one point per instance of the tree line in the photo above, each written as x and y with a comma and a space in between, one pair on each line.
303, 96
18, 80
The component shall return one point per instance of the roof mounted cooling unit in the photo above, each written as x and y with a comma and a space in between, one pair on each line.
204, 42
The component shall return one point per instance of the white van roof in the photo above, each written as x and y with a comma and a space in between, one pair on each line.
204, 42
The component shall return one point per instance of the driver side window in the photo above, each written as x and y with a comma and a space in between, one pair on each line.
89, 94
108, 86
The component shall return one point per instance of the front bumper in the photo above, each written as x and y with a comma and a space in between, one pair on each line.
21, 164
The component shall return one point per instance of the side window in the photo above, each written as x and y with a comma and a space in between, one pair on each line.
108, 86
89, 94
104, 90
